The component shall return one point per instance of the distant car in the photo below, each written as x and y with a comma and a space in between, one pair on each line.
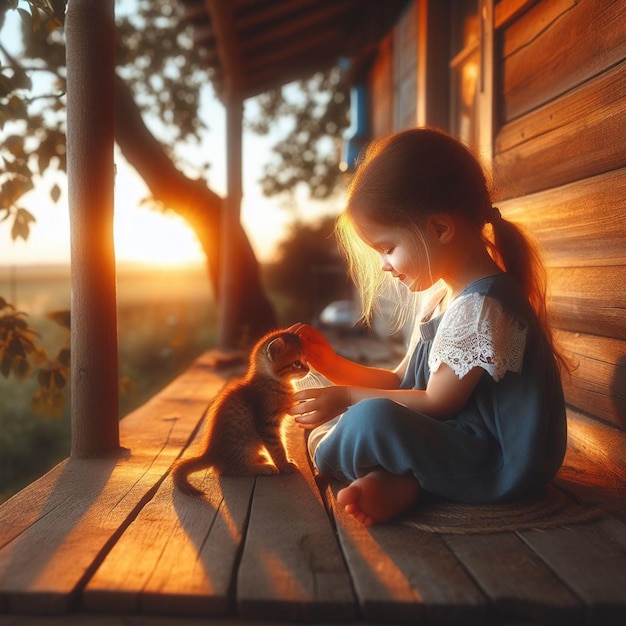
345, 316
341, 315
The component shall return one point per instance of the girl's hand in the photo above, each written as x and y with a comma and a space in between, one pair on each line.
316, 406
319, 352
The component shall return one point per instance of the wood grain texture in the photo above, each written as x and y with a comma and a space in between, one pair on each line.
179, 555
397, 572
580, 224
291, 566
590, 560
518, 584
576, 135
559, 45
381, 83
594, 469
597, 385
589, 300
83, 505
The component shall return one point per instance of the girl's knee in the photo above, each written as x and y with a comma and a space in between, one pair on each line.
359, 423
370, 415
371, 422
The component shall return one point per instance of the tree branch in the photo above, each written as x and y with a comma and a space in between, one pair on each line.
195, 202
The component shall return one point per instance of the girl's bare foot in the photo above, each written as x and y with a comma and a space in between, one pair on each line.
379, 496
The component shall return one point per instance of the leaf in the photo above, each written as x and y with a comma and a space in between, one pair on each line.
43, 378
44, 155
36, 18
26, 16
62, 317
20, 79
55, 193
15, 145
21, 224
16, 349
12, 190
21, 368
64, 357
49, 402
59, 379
53, 24
5, 366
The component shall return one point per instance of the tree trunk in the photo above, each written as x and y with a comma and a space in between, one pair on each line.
201, 207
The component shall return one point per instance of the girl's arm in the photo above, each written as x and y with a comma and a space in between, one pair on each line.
342, 371
443, 398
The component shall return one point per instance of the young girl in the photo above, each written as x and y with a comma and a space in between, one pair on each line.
475, 411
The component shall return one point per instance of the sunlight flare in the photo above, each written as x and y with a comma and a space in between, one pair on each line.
152, 238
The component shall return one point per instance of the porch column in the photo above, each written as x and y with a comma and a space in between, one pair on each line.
90, 37
229, 292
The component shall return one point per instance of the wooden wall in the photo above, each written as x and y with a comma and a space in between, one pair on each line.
560, 169
552, 108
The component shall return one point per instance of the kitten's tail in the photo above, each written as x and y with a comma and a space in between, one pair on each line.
181, 470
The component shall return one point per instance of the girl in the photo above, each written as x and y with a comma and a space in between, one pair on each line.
475, 411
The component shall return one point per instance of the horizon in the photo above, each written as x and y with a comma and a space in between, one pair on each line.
171, 240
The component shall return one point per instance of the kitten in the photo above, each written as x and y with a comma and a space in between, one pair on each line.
246, 415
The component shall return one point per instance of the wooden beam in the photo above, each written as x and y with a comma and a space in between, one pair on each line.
229, 292
90, 33
486, 82
228, 46
433, 41
508, 10
229, 53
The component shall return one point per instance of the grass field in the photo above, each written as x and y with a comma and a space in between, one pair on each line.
165, 319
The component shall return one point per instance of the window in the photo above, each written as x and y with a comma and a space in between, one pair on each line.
465, 71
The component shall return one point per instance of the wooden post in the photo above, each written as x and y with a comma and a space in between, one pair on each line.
433, 41
90, 37
230, 296
486, 130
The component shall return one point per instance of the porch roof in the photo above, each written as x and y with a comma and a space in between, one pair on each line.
258, 45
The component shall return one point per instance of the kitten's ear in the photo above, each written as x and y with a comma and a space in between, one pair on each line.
274, 348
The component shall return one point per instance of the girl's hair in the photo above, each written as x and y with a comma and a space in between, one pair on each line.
406, 177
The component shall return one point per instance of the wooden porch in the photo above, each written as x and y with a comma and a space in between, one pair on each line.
109, 541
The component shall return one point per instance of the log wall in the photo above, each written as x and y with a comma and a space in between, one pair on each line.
560, 170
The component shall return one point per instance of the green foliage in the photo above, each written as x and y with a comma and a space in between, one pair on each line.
17, 342
41, 14
29, 446
20, 352
157, 57
165, 320
34, 123
311, 118
159, 60
49, 400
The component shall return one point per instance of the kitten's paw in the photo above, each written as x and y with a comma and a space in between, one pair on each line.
289, 468
267, 470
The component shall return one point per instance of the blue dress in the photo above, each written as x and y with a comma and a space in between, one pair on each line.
509, 439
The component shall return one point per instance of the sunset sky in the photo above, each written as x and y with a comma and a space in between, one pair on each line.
143, 235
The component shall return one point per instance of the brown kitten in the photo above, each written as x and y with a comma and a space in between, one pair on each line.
246, 415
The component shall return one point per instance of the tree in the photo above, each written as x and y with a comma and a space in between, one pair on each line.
308, 151
160, 74
159, 87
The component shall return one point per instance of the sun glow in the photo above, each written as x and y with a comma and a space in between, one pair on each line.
148, 237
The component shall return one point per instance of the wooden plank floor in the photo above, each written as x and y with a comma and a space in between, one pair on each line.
110, 542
